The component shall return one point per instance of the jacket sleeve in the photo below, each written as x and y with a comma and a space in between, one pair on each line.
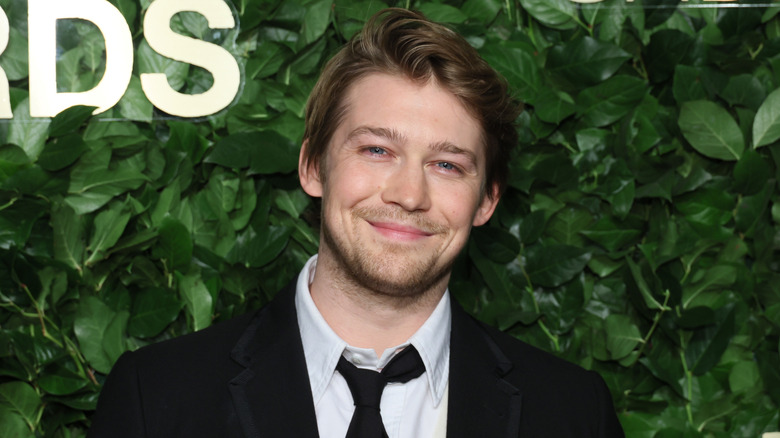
608, 424
119, 410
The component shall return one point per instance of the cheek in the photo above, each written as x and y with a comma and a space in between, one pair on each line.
459, 204
348, 189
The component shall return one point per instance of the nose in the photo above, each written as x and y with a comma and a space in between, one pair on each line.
408, 188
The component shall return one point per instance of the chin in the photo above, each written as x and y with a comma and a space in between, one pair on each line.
403, 280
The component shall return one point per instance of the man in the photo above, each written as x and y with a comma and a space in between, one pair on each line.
407, 137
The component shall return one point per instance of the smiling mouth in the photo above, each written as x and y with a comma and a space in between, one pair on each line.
397, 225
399, 231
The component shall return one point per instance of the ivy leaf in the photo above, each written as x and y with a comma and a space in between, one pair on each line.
667, 49
174, 245
16, 57
518, 67
197, 300
92, 319
553, 265
561, 306
766, 125
61, 152
114, 336
707, 345
27, 132
558, 14
59, 380
134, 105
128, 8
93, 183
585, 60
481, 10
554, 106
769, 367
696, 317
68, 236
262, 152
266, 61
293, 202
18, 399
150, 61
644, 289
711, 130
751, 208
531, 227
498, 244
315, 22
84, 402
622, 336
566, 225
17, 221
443, 13
153, 310
751, 173
687, 84
257, 248
497, 276
612, 234
743, 376
745, 90
69, 120
609, 101
109, 226
12, 160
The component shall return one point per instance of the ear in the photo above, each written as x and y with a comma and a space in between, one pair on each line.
309, 174
486, 206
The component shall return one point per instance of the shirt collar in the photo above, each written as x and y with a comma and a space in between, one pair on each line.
322, 347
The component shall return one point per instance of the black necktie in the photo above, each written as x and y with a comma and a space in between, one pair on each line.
367, 386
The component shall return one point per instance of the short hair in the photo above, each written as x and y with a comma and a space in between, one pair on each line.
406, 43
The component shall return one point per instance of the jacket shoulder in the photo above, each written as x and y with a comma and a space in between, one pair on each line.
214, 341
557, 394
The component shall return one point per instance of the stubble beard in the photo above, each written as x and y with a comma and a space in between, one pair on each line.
394, 273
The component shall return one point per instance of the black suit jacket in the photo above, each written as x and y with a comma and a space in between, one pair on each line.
247, 378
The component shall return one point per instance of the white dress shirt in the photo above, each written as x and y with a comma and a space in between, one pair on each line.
417, 408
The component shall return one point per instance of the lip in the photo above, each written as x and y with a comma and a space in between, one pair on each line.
399, 231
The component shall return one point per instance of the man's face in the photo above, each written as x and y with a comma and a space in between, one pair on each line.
404, 176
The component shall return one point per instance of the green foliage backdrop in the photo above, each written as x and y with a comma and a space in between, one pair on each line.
640, 235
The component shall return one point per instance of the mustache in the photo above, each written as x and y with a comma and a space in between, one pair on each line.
387, 214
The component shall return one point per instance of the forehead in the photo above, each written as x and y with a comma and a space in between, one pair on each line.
419, 112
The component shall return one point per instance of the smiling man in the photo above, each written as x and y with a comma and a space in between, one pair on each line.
408, 133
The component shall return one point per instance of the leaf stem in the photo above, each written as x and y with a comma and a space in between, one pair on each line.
583, 25
37, 306
531, 31
553, 338
530, 290
649, 334
689, 380
8, 204
754, 54
639, 66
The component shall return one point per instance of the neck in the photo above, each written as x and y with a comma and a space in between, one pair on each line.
367, 318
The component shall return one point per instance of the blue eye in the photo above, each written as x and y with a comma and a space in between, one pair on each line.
376, 150
447, 166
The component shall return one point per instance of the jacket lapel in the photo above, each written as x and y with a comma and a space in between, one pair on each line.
481, 402
272, 394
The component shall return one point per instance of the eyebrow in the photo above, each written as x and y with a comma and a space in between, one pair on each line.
397, 137
389, 134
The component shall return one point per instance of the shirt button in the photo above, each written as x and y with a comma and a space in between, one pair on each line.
356, 360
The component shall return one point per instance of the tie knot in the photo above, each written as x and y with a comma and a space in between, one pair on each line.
367, 386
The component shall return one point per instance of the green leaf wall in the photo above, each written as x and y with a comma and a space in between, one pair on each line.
640, 235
